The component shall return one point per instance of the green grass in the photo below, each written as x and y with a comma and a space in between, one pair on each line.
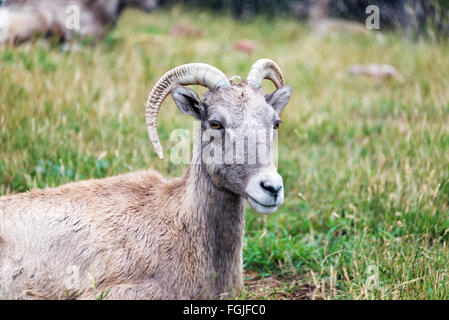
365, 162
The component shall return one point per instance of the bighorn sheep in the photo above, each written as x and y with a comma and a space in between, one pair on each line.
139, 235
21, 20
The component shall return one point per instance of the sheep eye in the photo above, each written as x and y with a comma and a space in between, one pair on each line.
215, 125
277, 124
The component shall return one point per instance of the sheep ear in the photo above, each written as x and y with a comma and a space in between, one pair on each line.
188, 102
279, 99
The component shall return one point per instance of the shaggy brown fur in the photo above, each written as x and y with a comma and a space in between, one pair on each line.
126, 233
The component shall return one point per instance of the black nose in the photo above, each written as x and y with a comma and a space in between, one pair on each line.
273, 190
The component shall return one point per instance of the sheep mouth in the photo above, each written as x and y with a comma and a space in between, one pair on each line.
261, 204
260, 207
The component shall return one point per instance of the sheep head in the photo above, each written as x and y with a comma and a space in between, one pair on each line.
238, 125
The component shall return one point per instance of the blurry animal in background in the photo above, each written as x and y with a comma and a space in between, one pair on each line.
375, 70
183, 29
65, 20
246, 46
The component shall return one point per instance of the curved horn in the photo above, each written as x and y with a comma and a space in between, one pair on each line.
187, 74
266, 69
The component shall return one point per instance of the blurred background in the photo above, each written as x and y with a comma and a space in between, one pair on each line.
363, 147
415, 17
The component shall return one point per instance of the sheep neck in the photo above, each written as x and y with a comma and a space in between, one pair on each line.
221, 214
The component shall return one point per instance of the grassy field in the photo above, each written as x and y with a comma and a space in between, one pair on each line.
365, 162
